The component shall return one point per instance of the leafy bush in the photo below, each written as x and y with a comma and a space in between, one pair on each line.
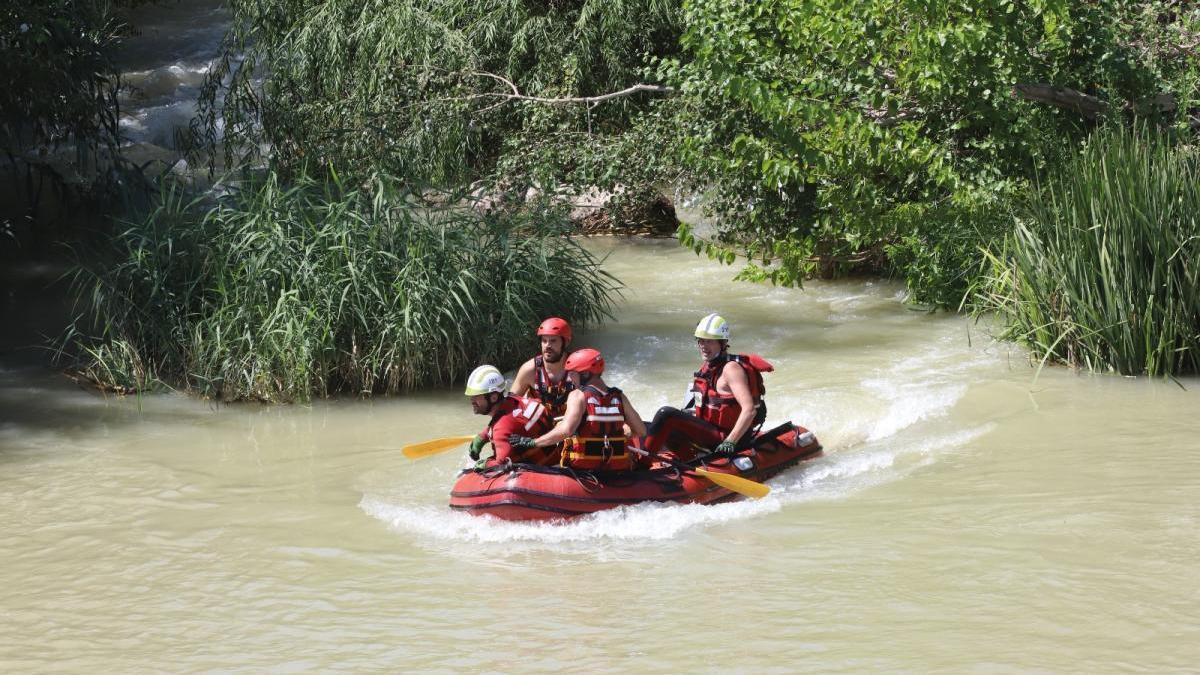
824, 129
936, 250
424, 89
276, 293
1103, 267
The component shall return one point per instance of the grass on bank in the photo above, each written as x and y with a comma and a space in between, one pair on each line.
280, 293
1102, 270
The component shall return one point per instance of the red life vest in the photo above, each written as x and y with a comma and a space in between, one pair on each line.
553, 395
522, 416
723, 410
599, 440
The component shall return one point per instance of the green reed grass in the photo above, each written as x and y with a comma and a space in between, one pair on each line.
1102, 270
281, 293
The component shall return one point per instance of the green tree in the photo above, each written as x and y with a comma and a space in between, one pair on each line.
439, 92
890, 130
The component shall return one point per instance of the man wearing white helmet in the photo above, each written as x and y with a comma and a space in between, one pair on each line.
726, 398
510, 415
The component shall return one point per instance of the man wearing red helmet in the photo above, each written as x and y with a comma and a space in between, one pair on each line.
598, 422
543, 377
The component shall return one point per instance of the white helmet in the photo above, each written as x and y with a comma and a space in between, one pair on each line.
713, 327
485, 380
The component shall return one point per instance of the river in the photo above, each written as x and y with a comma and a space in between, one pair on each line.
163, 67
966, 517
970, 514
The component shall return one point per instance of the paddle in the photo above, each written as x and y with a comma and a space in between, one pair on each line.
738, 484
427, 448
742, 486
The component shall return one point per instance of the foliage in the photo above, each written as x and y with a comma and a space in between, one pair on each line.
58, 83
825, 128
58, 88
280, 293
936, 250
1103, 268
1164, 36
422, 89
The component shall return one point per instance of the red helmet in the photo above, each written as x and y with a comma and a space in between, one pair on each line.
555, 326
585, 361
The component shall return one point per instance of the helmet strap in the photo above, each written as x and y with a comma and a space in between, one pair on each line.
493, 399
721, 355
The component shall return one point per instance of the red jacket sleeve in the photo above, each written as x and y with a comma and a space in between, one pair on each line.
501, 430
508, 425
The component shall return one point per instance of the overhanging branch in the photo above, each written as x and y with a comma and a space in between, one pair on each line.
1092, 107
1062, 97
516, 94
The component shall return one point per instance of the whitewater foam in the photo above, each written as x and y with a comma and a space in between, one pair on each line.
830, 478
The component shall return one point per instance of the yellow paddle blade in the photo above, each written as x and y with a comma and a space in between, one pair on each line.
427, 448
738, 484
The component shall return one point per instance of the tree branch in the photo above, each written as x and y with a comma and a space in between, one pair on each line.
1062, 97
1092, 107
883, 119
590, 100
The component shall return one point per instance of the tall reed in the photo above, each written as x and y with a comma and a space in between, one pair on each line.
288, 292
1102, 270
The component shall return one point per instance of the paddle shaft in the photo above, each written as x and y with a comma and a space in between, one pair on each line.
742, 486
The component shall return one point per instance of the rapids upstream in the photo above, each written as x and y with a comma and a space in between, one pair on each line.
966, 517
163, 67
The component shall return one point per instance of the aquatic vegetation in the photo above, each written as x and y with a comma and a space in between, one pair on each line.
276, 292
1102, 270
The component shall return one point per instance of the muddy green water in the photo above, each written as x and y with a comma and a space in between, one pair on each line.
966, 518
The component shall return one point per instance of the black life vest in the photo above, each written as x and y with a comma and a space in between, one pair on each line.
552, 395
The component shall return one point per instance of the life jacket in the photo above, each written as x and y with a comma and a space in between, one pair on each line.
599, 440
532, 420
723, 410
553, 395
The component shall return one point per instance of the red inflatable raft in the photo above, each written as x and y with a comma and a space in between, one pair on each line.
526, 492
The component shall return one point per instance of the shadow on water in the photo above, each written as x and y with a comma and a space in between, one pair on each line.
38, 400
35, 396
34, 308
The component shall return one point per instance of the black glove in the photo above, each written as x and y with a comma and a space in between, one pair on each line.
521, 442
726, 447
477, 444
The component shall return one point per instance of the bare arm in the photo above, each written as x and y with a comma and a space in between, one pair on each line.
734, 376
523, 383
632, 419
568, 424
